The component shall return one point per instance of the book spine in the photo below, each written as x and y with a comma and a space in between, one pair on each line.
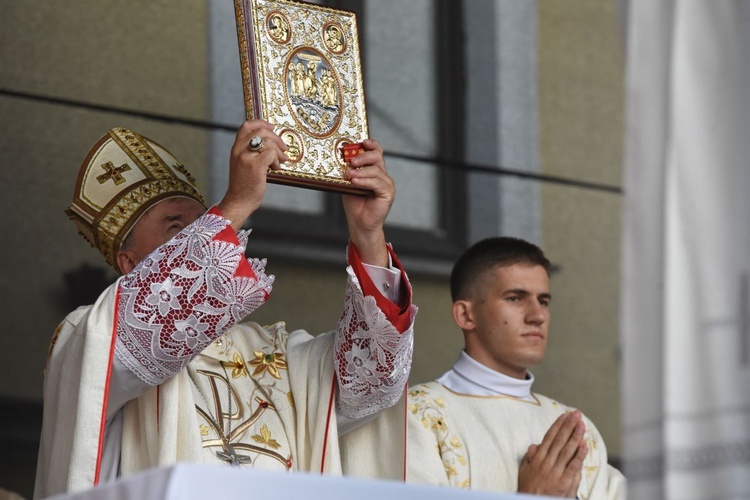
252, 21
244, 11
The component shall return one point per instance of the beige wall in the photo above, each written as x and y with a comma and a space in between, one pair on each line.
142, 56
139, 56
580, 114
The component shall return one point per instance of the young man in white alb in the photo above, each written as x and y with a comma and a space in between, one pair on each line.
479, 425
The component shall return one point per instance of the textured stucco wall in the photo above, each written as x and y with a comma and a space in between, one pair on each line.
580, 114
140, 56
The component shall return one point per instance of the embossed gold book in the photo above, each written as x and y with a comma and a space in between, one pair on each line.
301, 72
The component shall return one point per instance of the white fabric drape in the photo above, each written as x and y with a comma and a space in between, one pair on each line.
686, 250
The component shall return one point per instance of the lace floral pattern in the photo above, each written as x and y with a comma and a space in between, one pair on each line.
183, 296
372, 357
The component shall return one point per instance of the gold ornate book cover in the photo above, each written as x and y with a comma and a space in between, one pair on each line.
301, 71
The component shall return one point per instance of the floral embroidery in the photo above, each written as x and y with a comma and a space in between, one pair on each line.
417, 393
436, 424
222, 258
429, 410
239, 368
192, 331
450, 470
265, 438
372, 357
362, 366
164, 296
271, 362
590, 465
182, 297
218, 262
151, 264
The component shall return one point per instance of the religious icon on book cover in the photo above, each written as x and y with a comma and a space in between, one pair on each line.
334, 38
301, 72
278, 27
313, 91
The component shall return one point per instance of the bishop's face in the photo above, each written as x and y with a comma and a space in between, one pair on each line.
506, 321
157, 226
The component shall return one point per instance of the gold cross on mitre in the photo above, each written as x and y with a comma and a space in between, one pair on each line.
112, 172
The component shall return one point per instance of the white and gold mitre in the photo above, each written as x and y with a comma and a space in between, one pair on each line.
124, 175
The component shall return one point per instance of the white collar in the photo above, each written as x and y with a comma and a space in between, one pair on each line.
468, 376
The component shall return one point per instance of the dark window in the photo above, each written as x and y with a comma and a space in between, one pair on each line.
434, 228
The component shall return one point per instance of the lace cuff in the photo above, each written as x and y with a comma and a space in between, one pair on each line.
184, 295
372, 358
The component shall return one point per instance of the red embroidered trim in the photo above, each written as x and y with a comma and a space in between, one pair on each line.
397, 314
227, 234
406, 427
103, 424
328, 424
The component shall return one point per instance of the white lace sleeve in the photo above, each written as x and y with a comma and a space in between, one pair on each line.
184, 295
372, 358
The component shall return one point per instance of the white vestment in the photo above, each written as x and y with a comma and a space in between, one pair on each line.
477, 439
255, 395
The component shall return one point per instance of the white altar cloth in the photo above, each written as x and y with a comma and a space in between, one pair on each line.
194, 481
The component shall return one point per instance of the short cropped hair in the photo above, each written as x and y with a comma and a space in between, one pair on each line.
486, 255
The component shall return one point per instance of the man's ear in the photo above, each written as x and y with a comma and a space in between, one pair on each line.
126, 261
463, 314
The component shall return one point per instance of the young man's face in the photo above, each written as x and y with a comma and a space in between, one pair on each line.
508, 319
157, 226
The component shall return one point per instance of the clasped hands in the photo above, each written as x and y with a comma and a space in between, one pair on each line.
554, 466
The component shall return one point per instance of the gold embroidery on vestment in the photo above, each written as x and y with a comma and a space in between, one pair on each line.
233, 439
271, 362
265, 438
430, 412
238, 366
290, 397
52, 346
437, 424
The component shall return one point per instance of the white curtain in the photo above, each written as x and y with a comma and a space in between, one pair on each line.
686, 250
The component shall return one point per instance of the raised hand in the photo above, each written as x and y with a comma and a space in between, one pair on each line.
248, 169
365, 215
